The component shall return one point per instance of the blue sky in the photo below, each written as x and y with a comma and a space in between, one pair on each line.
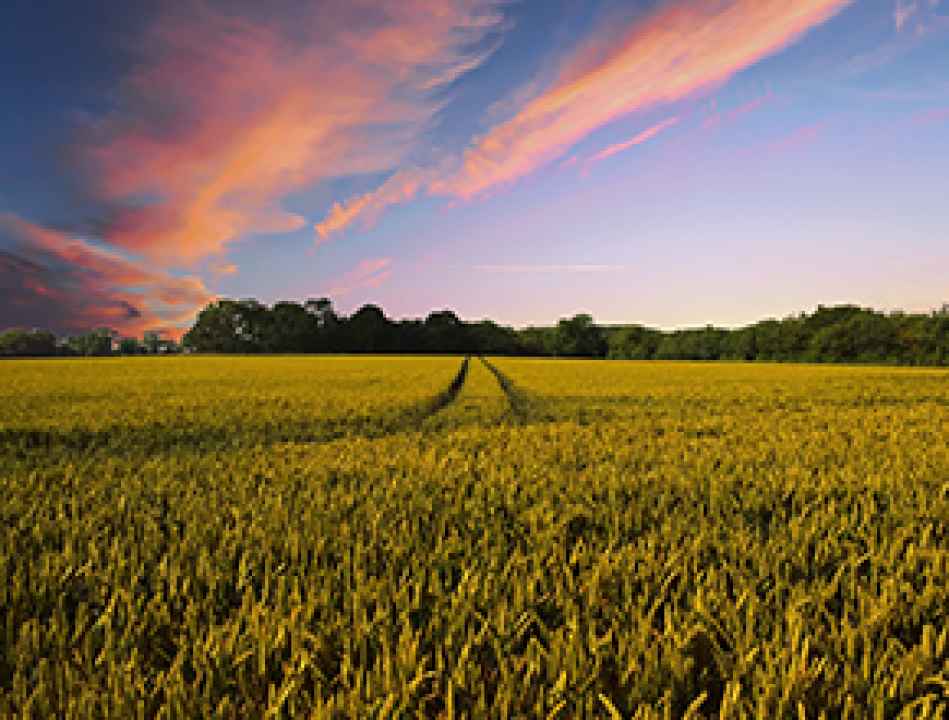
673, 162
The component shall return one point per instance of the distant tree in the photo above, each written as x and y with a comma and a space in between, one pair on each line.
327, 323
129, 346
254, 323
151, 342
216, 329
536, 341
914, 339
825, 316
291, 330
937, 340
34, 343
579, 337
781, 341
407, 336
672, 346
97, 343
634, 342
844, 333
857, 337
489, 338
368, 331
706, 343
446, 333
740, 345
70, 346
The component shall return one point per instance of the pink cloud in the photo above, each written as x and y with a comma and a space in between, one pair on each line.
68, 283
716, 118
913, 122
640, 138
575, 268
403, 186
224, 268
796, 140
677, 52
905, 9
368, 273
930, 117
228, 114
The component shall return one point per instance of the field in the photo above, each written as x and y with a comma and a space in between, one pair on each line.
432, 537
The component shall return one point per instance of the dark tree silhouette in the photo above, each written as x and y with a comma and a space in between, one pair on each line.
841, 334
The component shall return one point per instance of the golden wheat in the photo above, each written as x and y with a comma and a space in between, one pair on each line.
607, 540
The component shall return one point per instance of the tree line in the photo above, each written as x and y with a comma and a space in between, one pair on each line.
838, 334
101, 342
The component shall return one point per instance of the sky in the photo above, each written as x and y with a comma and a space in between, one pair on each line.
673, 163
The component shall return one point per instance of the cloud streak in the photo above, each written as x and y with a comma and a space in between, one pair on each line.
549, 268
51, 280
680, 50
796, 140
366, 209
905, 9
928, 26
640, 138
716, 118
916, 121
227, 114
930, 117
367, 274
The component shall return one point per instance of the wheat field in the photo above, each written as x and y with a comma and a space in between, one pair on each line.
441, 537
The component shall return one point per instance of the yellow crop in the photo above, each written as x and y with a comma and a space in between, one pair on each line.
342, 537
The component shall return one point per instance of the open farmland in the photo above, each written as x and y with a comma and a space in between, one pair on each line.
434, 537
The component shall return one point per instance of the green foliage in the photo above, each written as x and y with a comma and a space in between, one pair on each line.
842, 334
130, 346
390, 537
634, 342
36, 343
578, 337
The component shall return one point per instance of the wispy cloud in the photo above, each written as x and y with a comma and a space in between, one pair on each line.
401, 187
368, 273
716, 117
936, 89
224, 268
905, 9
549, 268
915, 121
795, 140
929, 117
640, 138
51, 280
678, 51
928, 26
229, 113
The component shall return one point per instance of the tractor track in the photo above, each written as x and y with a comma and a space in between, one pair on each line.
446, 397
173, 439
170, 439
523, 405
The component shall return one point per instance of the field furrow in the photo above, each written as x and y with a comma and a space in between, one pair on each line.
480, 402
640, 539
176, 405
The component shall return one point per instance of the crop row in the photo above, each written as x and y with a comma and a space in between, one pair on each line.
174, 405
699, 541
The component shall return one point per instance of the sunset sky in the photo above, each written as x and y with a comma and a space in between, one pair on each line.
666, 162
